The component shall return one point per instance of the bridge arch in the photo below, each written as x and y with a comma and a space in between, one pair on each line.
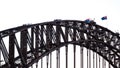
52, 35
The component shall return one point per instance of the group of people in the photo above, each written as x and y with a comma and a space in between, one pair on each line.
92, 21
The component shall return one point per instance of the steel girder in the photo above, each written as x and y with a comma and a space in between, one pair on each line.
38, 40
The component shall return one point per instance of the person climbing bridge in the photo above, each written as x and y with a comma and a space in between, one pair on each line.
90, 21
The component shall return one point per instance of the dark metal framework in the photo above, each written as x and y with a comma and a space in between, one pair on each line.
39, 40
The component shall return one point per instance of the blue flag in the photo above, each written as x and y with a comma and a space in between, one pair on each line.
104, 18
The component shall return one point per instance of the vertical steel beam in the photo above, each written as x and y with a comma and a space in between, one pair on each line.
99, 62
41, 62
37, 41
89, 59
81, 50
47, 60
102, 63
74, 46
11, 51
50, 60
41, 36
81, 58
0, 57
49, 42
109, 59
58, 42
93, 59
66, 46
96, 61
23, 42
66, 52
48, 36
32, 38
58, 58
36, 64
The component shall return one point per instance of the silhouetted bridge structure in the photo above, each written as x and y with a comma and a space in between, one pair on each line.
32, 42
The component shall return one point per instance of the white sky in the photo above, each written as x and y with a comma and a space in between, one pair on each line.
18, 12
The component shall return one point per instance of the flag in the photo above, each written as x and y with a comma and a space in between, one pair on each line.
104, 18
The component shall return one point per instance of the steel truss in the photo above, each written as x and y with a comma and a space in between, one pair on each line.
39, 40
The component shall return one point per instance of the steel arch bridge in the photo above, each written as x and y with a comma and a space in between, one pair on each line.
38, 40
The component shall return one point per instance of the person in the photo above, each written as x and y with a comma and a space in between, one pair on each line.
90, 21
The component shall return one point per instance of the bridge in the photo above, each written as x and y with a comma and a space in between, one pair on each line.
26, 45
